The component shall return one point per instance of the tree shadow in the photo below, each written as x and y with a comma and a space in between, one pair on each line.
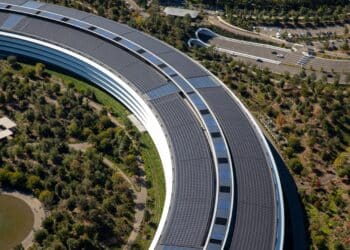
142, 182
296, 222
140, 206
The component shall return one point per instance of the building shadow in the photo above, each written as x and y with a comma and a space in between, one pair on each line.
296, 233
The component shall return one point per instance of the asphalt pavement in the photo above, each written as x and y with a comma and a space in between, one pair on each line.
280, 60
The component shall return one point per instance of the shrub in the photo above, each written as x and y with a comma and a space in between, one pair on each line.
40, 236
46, 197
294, 143
295, 165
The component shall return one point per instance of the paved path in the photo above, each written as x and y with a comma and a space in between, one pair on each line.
99, 107
37, 209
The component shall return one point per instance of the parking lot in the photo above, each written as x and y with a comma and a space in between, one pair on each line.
288, 61
303, 31
244, 47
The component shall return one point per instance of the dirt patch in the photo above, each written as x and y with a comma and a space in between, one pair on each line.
37, 209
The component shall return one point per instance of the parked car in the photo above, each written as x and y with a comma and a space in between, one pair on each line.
309, 43
311, 52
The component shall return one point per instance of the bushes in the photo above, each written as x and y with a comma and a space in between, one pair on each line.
342, 164
295, 144
46, 197
295, 165
12, 179
131, 162
40, 236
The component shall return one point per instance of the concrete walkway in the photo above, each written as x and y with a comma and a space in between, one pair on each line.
37, 209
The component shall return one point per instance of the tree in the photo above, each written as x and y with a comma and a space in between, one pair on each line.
33, 182
280, 120
29, 72
19, 247
46, 197
17, 179
40, 235
342, 164
73, 244
70, 183
295, 165
294, 143
345, 46
48, 224
2, 98
105, 122
12, 60
39, 69
74, 130
4, 176
100, 11
320, 242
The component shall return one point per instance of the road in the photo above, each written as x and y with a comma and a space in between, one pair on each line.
219, 22
250, 49
278, 59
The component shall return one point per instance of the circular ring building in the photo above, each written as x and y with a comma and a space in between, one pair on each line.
222, 184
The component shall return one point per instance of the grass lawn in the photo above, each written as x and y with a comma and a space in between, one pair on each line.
156, 191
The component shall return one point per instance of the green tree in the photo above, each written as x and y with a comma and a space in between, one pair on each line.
74, 130
33, 182
40, 235
4, 176
39, 69
12, 60
46, 197
345, 46
295, 165
19, 247
17, 179
294, 143
29, 72
48, 223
